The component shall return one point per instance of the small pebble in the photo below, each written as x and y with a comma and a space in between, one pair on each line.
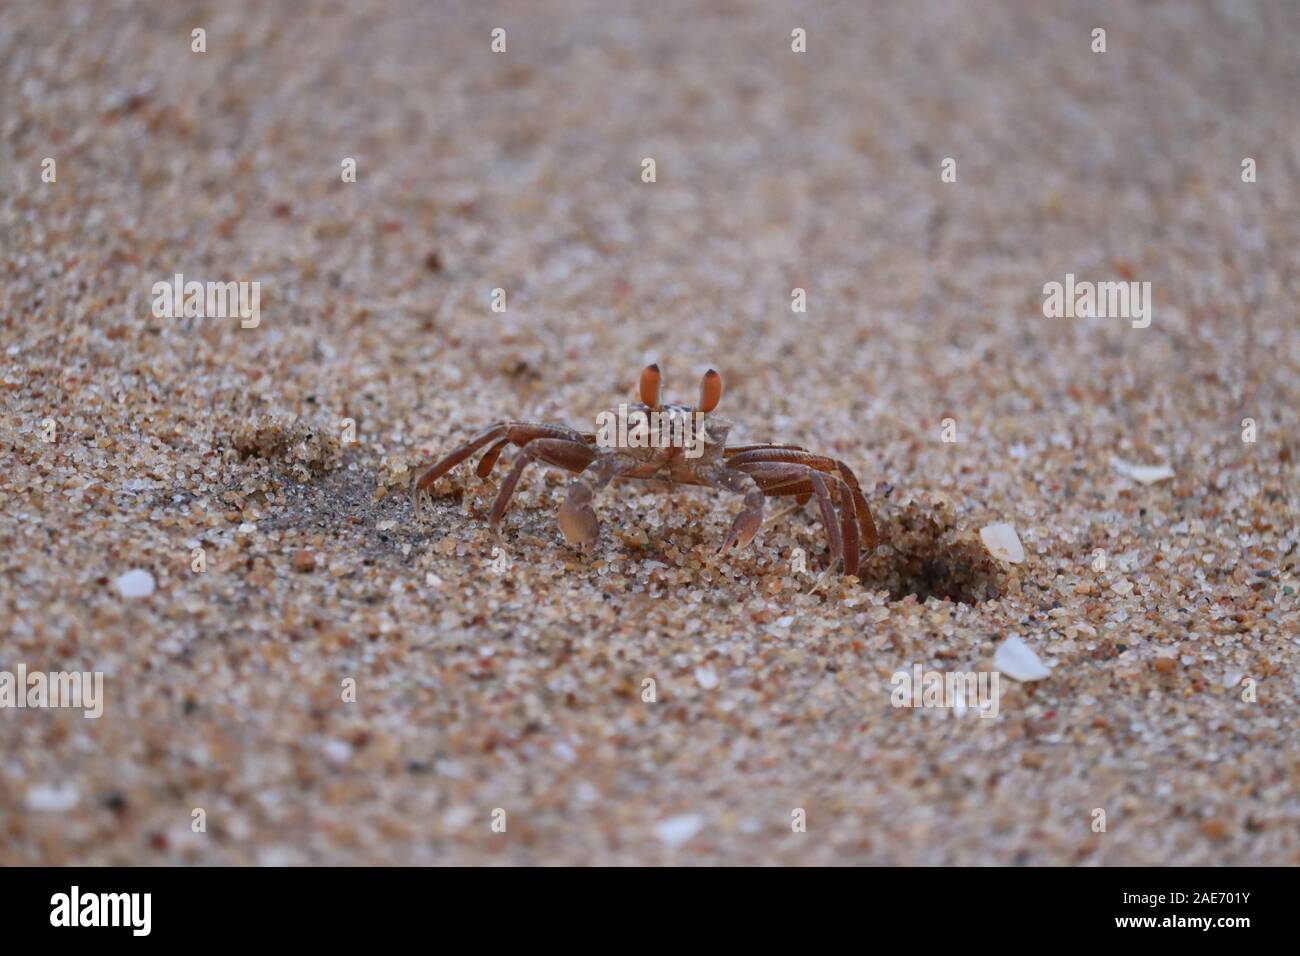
135, 584
1214, 828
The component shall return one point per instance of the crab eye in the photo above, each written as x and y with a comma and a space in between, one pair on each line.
650, 386
710, 391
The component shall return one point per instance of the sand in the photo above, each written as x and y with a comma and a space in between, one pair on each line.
342, 683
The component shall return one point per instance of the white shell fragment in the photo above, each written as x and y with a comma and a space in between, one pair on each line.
1018, 661
135, 584
677, 830
52, 799
1003, 543
337, 751
1143, 474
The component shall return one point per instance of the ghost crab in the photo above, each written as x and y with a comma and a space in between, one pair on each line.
756, 471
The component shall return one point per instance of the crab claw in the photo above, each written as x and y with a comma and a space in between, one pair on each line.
743, 529
577, 520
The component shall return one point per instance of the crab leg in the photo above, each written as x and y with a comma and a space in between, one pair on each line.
517, 433
822, 463
733, 450
849, 529
848, 518
489, 459
786, 478
870, 536
562, 452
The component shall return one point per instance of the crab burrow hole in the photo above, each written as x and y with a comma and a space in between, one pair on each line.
923, 553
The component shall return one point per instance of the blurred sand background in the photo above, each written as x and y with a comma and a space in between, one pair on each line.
523, 691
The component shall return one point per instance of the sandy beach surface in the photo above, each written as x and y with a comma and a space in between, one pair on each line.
298, 670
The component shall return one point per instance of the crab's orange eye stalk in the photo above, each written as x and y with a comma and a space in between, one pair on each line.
710, 391
650, 386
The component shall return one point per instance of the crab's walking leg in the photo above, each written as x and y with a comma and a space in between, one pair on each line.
489, 459
498, 435
870, 538
787, 478
571, 455
746, 524
848, 526
577, 518
733, 450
